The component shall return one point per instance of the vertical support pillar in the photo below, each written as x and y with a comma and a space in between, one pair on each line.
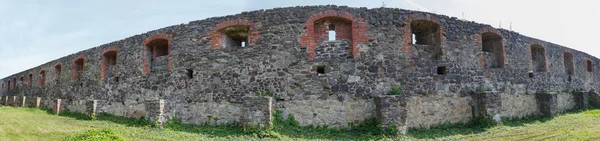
1, 100
15, 101
581, 99
154, 112
547, 103
257, 111
58, 106
488, 104
24, 102
6, 101
38, 101
391, 111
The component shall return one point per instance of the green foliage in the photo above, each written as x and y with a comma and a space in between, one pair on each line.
395, 91
265, 93
578, 89
106, 134
592, 104
480, 89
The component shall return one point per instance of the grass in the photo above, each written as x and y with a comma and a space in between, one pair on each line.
35, 124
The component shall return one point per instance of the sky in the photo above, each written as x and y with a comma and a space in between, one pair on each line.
34, 32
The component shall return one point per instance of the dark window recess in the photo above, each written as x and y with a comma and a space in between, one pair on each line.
530, 74
441, 70
569, 78
320, 70
116, 79
190, 73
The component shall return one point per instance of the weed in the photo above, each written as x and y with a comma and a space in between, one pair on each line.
395, 91
106, 134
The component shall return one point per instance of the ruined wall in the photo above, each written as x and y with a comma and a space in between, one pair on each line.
202, 80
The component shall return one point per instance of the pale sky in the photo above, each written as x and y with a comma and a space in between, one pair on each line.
34, 32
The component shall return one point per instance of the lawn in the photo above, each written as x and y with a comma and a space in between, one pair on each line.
35, 124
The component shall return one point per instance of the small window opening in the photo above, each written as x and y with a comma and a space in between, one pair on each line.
110, 62
15, 84
492, 48
42, 79
589, 66
331, 32
21, 81
569, 78
235, 36
190, 73
568, 61
78, 69
530, 74
29, 80
117, 79
57, 71
320, 70
538, 58
158, 48
414, 41
441, 70
8, 85
427, 33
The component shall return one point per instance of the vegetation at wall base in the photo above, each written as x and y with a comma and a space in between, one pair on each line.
33, 124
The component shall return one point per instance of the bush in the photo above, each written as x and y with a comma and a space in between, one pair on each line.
395, 91
106, 134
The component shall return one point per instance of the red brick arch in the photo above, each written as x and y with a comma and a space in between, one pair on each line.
407, 37
74, 73
543, 45
479, 42
42, 77
217, 36
104, 59
358, 34
145, 59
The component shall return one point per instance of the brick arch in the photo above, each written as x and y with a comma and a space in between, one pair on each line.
8, 88
536, 43
358, 35
105, 59
29, 80
479, 40
589, 65
568, 62
147, 41
217, 39
42, 77
15, 83
74, 73
407, 29
57, 71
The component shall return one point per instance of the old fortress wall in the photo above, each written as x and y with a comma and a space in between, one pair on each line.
209, 71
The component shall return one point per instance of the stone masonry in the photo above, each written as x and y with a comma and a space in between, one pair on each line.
204, 70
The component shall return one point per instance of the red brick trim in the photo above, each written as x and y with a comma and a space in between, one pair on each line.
359, 31
145, 62
42, 78
543, 45
407, 37
591, 65
74, 73
29, 80
56, 74
103, 61
572, 60
479, 41
216, 35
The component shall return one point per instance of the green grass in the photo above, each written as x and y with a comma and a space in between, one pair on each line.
35, 124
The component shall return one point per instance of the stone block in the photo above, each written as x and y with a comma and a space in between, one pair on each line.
155, 111
547, 103
581, 99
257, 111
487, 104
391, 111
23, 101
38, 102
59, 105
6, 101
93, 107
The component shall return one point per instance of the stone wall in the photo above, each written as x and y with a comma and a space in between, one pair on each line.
320, 82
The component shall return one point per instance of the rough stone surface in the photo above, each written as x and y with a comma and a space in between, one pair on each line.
391, 111
581, 99
155, 111
547, 103
257, 111
487, 104
206, 82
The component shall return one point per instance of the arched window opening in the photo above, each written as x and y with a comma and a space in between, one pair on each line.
29, 80
235, 36
21, 82
331, 29
78, 69
426, 35
57, 72
42, 79
15, 84
538, 58
109, 61
493, 51
589, 67
158, 47
2, 85
8, 88
568, 61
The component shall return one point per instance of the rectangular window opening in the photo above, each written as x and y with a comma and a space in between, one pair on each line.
243, 44
441, 70
331, 35
190, 73
320, 70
